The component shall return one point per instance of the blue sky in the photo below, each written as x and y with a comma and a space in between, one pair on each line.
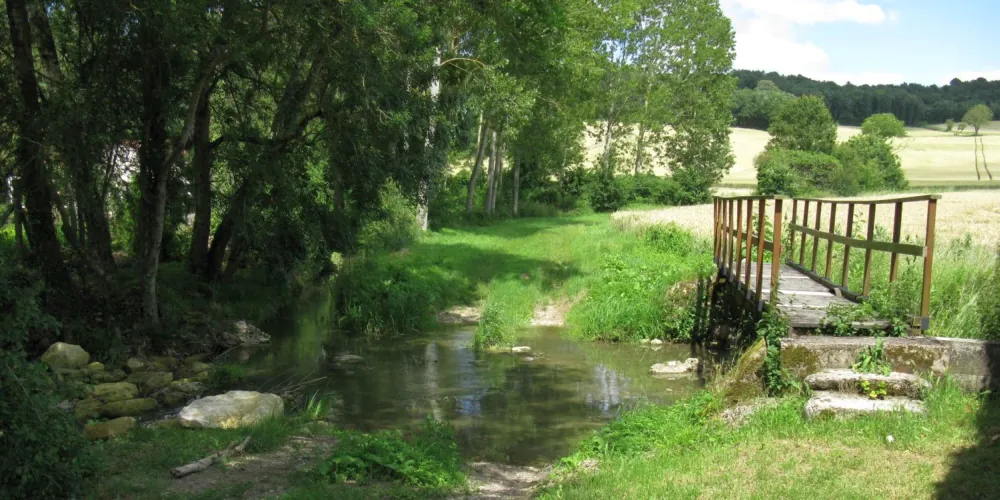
868, 41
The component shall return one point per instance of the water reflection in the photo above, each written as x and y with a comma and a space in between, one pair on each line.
507, 408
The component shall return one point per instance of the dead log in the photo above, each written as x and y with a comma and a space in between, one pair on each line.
200, 465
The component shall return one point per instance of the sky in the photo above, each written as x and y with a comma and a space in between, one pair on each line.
868, 41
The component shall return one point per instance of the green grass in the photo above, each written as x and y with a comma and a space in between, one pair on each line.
683, 452
512, 265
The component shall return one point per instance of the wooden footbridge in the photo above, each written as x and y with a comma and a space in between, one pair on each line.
800, 262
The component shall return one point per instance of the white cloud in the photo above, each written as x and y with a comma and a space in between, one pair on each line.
816, 11
765, 39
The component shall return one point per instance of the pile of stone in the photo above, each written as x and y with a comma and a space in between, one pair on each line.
140, 386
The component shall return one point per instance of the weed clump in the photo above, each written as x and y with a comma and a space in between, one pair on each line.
508, 308
430, 460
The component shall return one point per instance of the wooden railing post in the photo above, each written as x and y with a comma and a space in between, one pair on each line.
805, 223
829, 243
749, 249
776, 251
847, 248
729, 238
897, 225
819, 215
791, 229
925, 295
715, 230
866, 287
761, 216
739, 236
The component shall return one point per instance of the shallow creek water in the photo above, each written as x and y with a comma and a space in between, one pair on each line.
514, 409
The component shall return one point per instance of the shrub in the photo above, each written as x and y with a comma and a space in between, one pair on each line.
794, 173
803, 124
883, 125
429, 460
871, 160
393, 225
949, 124
605, 194
45, 453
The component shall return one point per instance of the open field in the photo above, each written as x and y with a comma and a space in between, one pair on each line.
972, 213
930, 157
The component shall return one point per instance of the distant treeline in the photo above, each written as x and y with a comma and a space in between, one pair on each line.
913, 103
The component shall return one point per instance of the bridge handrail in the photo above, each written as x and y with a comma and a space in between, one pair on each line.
736, 234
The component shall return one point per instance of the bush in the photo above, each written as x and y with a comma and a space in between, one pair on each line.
650, 189
884, 125
430, 460
393, 225
46, 454
949, 124
605, 194
795, 173
803, 124
871, 160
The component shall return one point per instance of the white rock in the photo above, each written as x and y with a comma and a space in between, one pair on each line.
644, 341
521, 349
845, 405
232, 409
675, 367
66, 356
656, 341
349, 359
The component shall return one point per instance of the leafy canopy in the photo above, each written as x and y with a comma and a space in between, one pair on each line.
883, 125
803, 124
977, 116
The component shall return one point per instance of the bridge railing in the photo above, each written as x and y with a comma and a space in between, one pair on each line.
738, 231
737, 234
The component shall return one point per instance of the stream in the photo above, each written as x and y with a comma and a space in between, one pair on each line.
511, 409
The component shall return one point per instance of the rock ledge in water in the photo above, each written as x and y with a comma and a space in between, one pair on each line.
348, 359
675, 367
230, 410
520, 349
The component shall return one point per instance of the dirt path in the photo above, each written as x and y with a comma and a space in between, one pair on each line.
491, 481
268, 474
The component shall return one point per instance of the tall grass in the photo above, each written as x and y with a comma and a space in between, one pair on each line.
507, 309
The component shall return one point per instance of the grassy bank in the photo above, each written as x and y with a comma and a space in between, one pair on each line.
623, 277
685, 451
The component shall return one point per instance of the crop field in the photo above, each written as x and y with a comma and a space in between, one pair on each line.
930, 156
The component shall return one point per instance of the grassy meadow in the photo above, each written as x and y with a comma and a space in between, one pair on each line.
686, 451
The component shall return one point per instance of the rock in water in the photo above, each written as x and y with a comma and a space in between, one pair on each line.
111, 428
348, 359
66, 356
521, 349
656, 342
230, 410
194, 368
178, 392
244, 333
675, 367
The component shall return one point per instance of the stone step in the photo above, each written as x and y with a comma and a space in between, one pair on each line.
840, 405
849, 381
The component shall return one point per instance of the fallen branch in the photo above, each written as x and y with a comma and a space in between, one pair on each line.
200, 465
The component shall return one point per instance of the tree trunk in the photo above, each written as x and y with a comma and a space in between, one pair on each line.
491, 173
470, 196
423, 193
225, 232
40, 224
975, 152
517, 185
22, 249
153, 157
202, 163
608, 142
639, 146
498, 177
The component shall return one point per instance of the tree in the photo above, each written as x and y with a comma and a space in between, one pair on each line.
767, 86
977, 116
949, 124
883, 125
803, 124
